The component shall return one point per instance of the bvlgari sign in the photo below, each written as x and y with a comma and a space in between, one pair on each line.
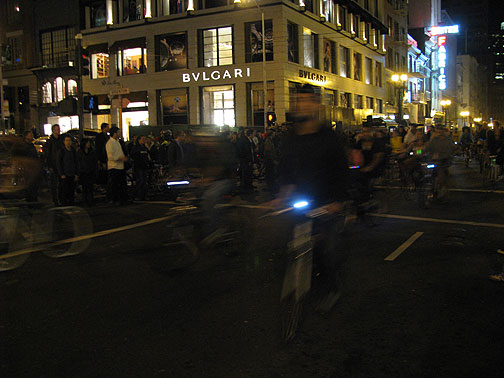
312, 76
216, 75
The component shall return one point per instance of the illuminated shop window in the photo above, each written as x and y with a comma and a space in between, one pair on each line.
310, 46
100, 64
72, 88
47, 93
59, 89
344, 61
132, 61
217, 46
218, 106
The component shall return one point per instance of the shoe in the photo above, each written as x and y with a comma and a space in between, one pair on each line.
500, 251
497, 277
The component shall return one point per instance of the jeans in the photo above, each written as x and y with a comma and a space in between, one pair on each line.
118, 185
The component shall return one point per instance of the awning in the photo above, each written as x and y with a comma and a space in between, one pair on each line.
127, 44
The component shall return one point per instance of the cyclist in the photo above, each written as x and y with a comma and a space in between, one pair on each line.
314, 164
440, 148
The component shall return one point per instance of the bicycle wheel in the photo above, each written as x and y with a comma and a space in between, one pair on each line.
13, 239
67, 223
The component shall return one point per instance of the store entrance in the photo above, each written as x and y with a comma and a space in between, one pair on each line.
218, 106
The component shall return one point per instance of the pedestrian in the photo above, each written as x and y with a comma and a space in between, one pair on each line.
26, 153
141, 164
52, 149
245, 149
101, 156
88, 170
115, 166
68, 170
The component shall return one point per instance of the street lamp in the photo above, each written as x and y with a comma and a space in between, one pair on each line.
265, 83
444, 105
465, 114
400, 81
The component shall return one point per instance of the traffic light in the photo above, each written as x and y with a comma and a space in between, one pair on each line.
91, 103
84, 62
271, 118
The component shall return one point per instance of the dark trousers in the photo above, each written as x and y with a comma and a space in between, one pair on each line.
246, 174
141, 177
118, 185
68, 190
87, 181
56, 187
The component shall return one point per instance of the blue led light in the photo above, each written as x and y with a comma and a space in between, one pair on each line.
173, 183
354, 167
300, 204
431, 166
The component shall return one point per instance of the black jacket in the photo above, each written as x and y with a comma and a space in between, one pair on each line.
88, 163
100, 143
141, 157
68, 164
52, 150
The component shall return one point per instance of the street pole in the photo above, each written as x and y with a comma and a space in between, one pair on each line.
265, 83
2, 121
400, 104
80, 92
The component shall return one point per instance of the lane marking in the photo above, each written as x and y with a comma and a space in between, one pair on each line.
403, 247
85, 237
437, 220
462, 190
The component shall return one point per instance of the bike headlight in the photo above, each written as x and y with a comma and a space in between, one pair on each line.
354, 167
431, 166
175, 183
300, 204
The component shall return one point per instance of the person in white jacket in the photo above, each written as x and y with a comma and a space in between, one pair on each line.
115, 166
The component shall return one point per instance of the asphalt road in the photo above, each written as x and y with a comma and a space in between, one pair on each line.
121, 309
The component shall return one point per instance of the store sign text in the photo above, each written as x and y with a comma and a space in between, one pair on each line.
442, 61
312, 76
215, 75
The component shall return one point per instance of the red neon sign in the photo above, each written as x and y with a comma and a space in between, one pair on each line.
441, 40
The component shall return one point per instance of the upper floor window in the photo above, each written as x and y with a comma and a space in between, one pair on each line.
59, 89
366, 4
217, 46
342, 17
356, 24
72, 88
133, 10
357, 66
310, 47
328, 10
253, 41
369, 71
171, 52
377, 8
131, 58
100, 63
329, 56
204, 4
293, 42
13, 51
172, 7
378, 74
58, 47
13, 11
98, 13
344, 61
308, 5
47, 93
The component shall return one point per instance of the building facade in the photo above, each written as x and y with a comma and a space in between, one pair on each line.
165, 62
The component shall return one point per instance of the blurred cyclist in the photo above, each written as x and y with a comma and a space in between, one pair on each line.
314, 166
441, 149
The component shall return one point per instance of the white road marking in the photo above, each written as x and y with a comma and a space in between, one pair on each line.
394, 255
436, 220
462, 190
84, 237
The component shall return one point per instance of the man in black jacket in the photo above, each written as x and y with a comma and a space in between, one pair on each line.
141, 164
68, 169
52, 150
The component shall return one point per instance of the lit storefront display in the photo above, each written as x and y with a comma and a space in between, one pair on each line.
218, 105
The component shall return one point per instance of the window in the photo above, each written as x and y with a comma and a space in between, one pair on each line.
376, 8
379, 106
213, 3
310, 46
357, 66
356, 25
47, 93
331, 98
328, 10
131, 61
217, 46
72, 88
172, 7
329, 56
369, 103
174, 106
133, 10
98, 13
396, 31
58, 47
99, 65
366, 4
256, 102
218, 105
343, 17
358, 102
345, 100
13, 14
344, 61
59, 89
390, 59
369, 71
253, 41
396, 62
293, 42
367, 32
309, 5
171, 52
378, 74
16, 50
